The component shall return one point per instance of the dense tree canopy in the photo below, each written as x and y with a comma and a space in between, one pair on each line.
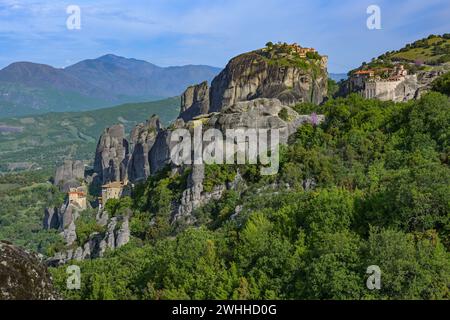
378, 193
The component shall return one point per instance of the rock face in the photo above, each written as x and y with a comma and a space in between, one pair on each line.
52, 219
426, 78
194, 196
250, 76
112, 155
63, 219
117, 234
23, 276
160, 152
60, 218
258, 114
70, 234
254, 114
69, 175
124, 233
143, 137
251, 93
195, 101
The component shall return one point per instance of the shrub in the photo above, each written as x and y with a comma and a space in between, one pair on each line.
442, 84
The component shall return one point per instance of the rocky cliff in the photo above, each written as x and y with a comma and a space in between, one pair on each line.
23, 276
116, 234
143, 137
63, 219
69, 175
195, 101
112, 155
426, 78
252, 75
119, 158
277, 73
151, 147
254, 114
255, 91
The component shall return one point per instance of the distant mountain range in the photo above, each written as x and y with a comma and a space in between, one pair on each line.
29, 88
337, 76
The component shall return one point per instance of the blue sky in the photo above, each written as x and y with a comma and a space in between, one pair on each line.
179, 32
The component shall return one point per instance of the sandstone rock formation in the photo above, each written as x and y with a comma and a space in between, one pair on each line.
60, 218
253, 92
426, 78
52, 219
123, 234
250, 76
117, 234
254, 114
160, 153
195, 101
63, 219
143, 137
112, 155
70, 233
23, 276
69, 175
258, 114
194, 196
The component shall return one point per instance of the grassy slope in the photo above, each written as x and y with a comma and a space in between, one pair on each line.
47, 139
433, 52
48, 97
424, 50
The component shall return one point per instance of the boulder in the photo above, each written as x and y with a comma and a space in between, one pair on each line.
23, 276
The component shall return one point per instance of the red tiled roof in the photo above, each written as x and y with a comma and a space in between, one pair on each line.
78, 193
364, 72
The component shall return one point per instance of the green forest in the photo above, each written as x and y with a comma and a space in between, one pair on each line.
23, 199
379, 195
